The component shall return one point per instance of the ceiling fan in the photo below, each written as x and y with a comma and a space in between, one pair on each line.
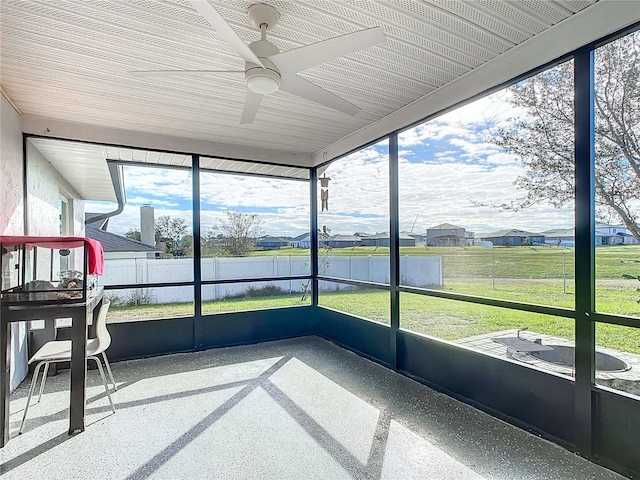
268, 70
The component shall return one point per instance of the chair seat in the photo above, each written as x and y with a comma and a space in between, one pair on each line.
60, 351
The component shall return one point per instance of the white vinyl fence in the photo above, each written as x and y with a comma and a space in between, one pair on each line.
419, 271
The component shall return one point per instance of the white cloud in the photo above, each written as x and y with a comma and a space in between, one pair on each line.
448, 173
158, 182
234, 191
150, 201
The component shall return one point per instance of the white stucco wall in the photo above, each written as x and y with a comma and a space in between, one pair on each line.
44, 188
12, 217
45, 185
11, 207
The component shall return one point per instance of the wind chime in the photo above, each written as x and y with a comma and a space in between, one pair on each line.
324, 192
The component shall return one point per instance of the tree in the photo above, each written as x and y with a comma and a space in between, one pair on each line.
237, 233
212, 244
543, 138
172, 231
133, 234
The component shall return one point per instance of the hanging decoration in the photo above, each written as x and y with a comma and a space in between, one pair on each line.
324, 192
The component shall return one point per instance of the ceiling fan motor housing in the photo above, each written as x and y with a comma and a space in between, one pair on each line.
264, 81
263, 14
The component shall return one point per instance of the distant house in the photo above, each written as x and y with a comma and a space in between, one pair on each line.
301, 241
614, 235
419, 238
448, 235
513, 238
382, 240
605, 235
269, 242
343, 241
561, 237
114, 245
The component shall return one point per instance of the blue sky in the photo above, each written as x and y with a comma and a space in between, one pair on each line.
449, 172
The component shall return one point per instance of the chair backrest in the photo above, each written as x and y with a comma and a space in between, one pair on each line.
102, 334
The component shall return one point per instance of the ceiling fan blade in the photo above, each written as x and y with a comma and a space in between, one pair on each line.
166, 73
251, 104
211, 15
302, 88
299, 59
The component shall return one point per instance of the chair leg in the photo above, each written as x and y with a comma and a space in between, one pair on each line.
106, 363
104, 380
31, 389
44, 379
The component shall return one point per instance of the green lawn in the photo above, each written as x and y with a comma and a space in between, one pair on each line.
502, 262
446, 319
169, 310
528, 274
535, 275
451, 320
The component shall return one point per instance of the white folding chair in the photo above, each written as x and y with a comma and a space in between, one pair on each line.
60, 351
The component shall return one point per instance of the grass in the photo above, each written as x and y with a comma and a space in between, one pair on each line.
441, 318
185, 309
535, 275
502, 262
451, 320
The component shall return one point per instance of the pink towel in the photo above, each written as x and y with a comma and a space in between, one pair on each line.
95, 253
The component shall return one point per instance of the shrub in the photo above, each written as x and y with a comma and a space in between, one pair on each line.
270, 290
137, 297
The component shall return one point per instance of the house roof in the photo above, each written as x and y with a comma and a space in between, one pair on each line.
112, 242
446, 226
560, 232
608, 225
344, 238
379, 236
300, 237
269, 238
404, 236
514, 232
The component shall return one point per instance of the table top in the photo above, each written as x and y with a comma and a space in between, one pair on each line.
53, 308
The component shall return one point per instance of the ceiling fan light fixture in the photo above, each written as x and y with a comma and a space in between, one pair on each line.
263, 85
262, 80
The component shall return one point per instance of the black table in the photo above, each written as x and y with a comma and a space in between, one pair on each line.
78, 312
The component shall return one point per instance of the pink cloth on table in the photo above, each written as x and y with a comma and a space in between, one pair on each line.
95, 253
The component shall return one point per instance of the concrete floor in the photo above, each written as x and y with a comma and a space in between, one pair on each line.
293, 409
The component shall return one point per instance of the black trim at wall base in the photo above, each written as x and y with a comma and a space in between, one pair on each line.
224, 330
149, 338
617, 432
534, 400
369, 339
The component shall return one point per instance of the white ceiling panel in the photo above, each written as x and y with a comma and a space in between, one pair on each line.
235, 166
69, 60
82, 165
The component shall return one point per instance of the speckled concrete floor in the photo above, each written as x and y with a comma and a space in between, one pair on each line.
293, 409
